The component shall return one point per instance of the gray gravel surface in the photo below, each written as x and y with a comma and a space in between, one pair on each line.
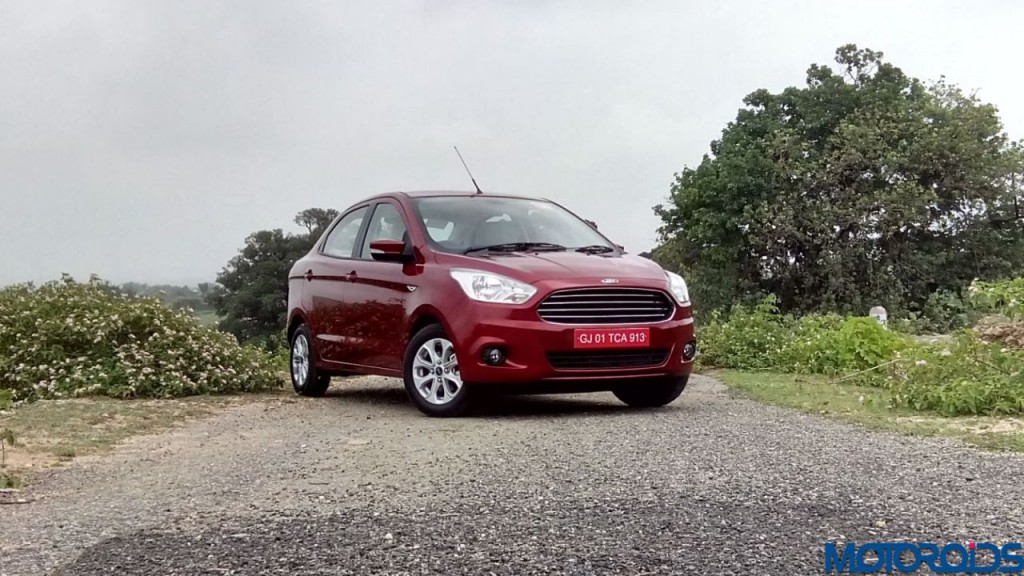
361, 483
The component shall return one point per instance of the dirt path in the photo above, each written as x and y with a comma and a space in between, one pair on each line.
361, 483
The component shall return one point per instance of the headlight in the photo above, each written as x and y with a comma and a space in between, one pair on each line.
678, 287
487, 287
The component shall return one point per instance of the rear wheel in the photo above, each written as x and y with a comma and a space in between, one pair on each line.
651, 392
306, 378
431, 373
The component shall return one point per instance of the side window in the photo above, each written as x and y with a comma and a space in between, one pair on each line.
342, 239
385, 224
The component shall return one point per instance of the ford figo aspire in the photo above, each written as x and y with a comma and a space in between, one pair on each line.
464, 293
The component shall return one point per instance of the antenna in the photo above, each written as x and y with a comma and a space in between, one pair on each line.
477, 186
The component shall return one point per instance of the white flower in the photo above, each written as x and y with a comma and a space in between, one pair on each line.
921, 363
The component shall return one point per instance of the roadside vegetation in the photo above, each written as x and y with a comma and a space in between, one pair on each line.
67, 339
974, 371
880, 375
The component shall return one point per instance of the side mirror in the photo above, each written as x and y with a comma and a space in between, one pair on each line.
391, 251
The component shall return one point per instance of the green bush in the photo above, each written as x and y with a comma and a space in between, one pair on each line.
66, 338
750, 338
966, 376
1005, 297
946, 312
759, 338
977, 372
834, 345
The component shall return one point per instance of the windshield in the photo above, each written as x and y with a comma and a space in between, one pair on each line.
465, 223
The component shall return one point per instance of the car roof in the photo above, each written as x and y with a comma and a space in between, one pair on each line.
436, 193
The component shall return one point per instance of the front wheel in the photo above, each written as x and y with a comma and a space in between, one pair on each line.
431, 373
649, 393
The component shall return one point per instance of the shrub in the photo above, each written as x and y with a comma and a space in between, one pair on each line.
966, 376
833, 345
750, 338
66, 338
760, 338
1005, 297
946, 312
978, 372
912, 324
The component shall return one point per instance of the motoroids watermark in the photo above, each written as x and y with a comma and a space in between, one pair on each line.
899, 557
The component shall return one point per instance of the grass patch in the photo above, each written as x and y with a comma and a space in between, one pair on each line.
10, 481
871, 407
49, 432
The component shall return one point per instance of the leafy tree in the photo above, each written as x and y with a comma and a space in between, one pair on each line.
315, 220
251, 292
864, 187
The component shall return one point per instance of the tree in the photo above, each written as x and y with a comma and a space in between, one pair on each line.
251, 292
316, 220
864, 187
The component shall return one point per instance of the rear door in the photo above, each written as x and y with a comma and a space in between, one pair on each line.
326, 282
376, 295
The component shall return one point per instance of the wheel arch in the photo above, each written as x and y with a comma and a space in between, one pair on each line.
297, 319
425, 316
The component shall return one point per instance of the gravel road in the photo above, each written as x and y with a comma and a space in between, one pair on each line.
361, 483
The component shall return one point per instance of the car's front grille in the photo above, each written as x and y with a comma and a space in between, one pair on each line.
604, 359
606, 306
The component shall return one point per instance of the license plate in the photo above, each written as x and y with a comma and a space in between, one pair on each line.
612, 338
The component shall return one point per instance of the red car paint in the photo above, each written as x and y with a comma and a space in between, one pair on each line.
362, 312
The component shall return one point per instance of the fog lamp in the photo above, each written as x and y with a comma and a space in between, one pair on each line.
493, 356
689, 351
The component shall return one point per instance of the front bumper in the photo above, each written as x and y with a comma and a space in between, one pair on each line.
527, 341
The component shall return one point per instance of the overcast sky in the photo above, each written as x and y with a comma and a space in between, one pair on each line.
143, 140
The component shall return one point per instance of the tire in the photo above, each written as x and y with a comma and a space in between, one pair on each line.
651, 393
306, 378
431, 373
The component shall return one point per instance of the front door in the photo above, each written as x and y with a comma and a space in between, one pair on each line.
376, 295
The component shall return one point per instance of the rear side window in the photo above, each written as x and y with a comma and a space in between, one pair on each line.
342, 240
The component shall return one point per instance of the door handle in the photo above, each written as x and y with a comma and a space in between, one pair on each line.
351, 276
309, 275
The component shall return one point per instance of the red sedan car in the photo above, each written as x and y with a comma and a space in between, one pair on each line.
462, 293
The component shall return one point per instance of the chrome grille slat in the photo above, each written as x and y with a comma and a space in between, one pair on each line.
652, 315
590, 306
581, 301
616, 309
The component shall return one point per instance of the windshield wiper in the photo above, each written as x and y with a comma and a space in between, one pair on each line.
595, 249
518, 247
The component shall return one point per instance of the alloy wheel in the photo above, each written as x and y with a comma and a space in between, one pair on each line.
435, 372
